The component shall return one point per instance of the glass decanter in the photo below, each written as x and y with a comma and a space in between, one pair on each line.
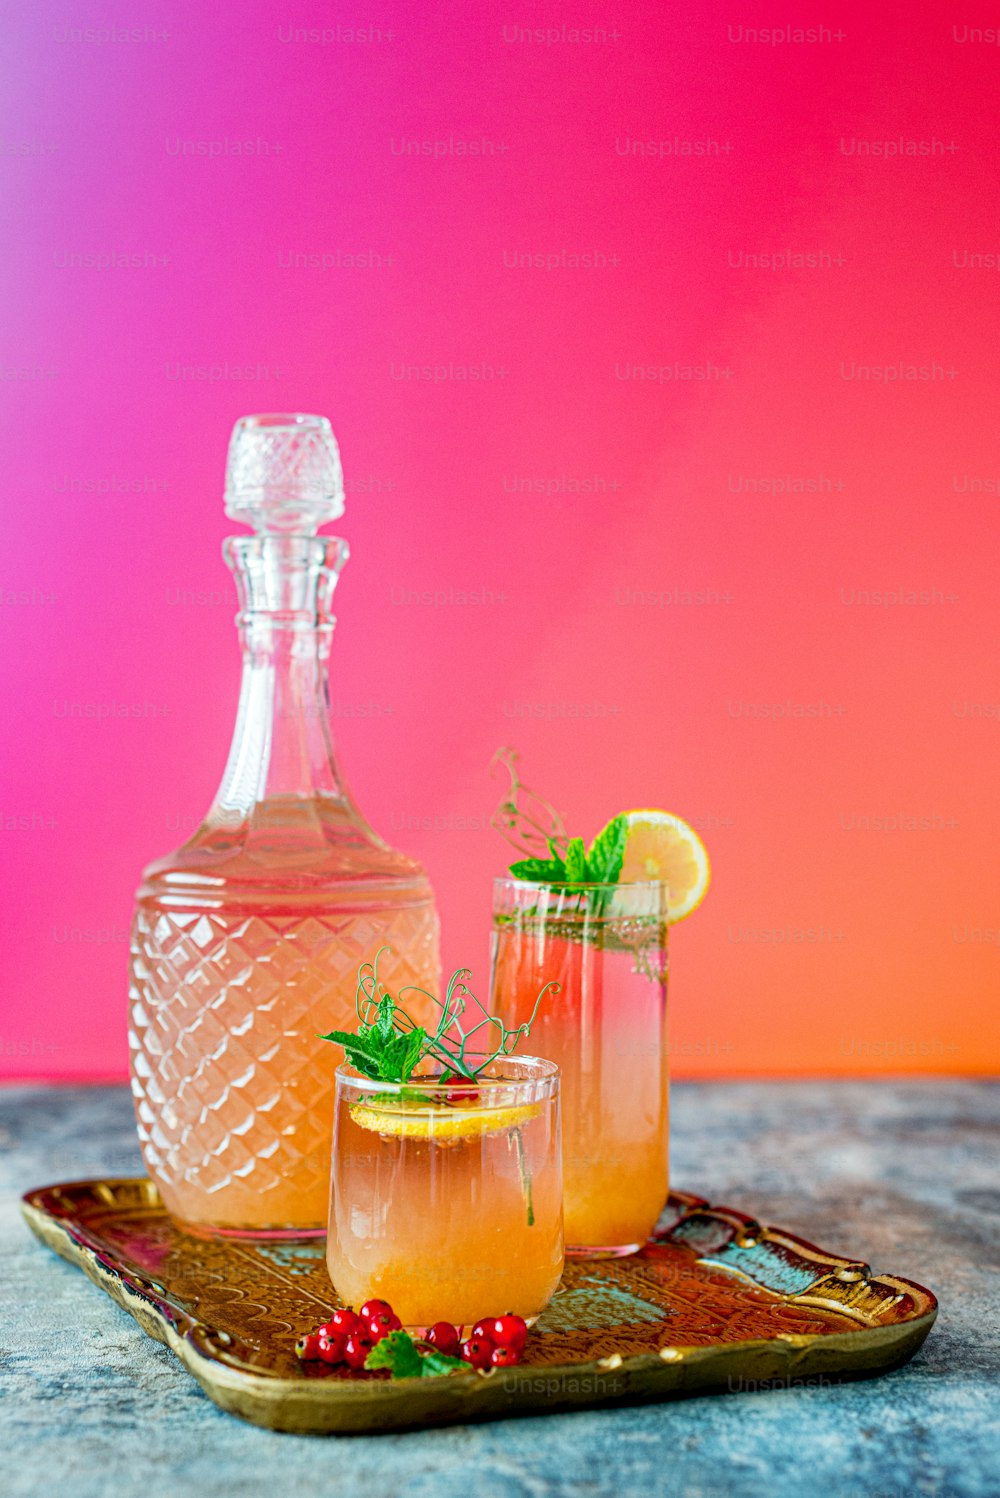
246, 942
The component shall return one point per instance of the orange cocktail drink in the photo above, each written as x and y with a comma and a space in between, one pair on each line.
446, 1196
605, 946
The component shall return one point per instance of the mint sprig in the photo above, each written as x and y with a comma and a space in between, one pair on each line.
541, 870
389, 1045
601, 863
576, 861
380, 1051
400, 1354
531, 824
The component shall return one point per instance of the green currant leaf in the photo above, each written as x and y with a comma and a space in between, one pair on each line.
397, 1352
436, 1363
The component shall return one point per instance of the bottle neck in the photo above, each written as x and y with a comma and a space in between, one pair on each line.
283, 745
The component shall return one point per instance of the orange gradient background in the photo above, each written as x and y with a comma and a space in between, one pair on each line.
711, 522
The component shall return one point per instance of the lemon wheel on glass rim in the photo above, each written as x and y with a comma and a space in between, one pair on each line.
659, 845
419, 1120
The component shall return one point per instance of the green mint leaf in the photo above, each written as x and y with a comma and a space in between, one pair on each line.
607, 852
397, 1352
388, 1065
407, 1094
540, 870
364, 1041
362, 1051
355, 1045
365, 1066
386, 1010
368, 1066
392, 1062
389, 1060
347, 1038
576, 861
411, 1054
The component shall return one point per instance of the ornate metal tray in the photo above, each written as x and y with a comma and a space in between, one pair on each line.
713, 1303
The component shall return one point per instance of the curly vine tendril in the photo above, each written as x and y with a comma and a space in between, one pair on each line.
449, 1041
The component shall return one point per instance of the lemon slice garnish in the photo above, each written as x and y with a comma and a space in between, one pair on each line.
423, 1121
659, 845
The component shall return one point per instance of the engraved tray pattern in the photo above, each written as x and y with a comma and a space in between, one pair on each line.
714, 1302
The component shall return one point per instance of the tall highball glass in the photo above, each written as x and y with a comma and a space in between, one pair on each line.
606, 947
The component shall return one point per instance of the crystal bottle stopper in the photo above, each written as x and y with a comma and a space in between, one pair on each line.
283, 474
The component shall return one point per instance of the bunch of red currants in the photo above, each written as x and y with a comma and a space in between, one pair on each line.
495, 1342
349, 1336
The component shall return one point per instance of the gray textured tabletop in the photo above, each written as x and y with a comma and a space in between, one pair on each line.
903, 1174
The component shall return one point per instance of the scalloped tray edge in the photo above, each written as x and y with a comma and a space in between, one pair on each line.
319, 1407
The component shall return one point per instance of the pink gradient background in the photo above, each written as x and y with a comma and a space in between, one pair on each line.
613, 703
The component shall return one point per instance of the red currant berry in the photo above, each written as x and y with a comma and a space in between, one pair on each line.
477, 1351
331, 1349
381, 1325
374, 1308
457, 1089
482, 1329
356, 1349
504, 1357
341, 1323
307, 1348
444, 1338
508, 1331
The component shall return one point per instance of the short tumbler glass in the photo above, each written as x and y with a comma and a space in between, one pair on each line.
446, 1197
606, 947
